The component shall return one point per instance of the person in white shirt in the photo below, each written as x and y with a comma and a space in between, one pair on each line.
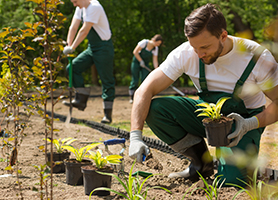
143, 52
100, 52
219, 65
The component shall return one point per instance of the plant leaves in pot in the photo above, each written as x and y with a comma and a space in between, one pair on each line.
60, 155
92, 179
217, 126
73, 166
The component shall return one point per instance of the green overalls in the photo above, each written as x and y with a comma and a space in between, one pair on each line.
171, 118
100, 53
137, 71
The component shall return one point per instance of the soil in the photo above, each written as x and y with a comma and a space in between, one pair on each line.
160, 164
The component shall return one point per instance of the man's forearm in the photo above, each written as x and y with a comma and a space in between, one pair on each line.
79, 38
269, 115
71, 34
139, 111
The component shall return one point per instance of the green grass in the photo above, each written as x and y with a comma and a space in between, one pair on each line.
125, 125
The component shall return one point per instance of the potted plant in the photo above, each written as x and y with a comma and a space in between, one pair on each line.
73, 166
133, 186
92, 179
217, 126
60, 155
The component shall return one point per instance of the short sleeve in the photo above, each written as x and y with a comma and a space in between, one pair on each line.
77, 13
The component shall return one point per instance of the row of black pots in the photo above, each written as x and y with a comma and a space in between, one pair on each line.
82, 173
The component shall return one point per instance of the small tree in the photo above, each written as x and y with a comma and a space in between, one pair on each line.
47, 67
15, 80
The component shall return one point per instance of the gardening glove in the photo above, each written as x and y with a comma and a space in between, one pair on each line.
68, 50
137, 147
142, 64
242, 127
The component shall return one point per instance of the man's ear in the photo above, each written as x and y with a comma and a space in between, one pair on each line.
223, 36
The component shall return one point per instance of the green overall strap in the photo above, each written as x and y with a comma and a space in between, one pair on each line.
244, 76
202, 78
248, 70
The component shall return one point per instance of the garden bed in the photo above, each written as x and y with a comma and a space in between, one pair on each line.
29, 155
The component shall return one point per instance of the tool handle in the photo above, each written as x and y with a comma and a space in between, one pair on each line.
143, 157
114, 141
142, 173
70, 71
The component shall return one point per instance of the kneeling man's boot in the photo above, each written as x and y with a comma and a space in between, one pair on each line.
198, 153
80, 99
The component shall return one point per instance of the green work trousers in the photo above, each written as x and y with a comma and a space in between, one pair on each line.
171, 118
137, 73
102, 57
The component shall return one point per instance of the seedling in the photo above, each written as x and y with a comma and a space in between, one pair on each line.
59, 144
211, 110
257, 189
213, 189
81, 153
101, 161
133, 187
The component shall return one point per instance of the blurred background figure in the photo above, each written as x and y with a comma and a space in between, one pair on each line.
143, 52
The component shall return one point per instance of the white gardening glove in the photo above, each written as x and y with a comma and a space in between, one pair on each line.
142, 64
137, 147
68, 50
242, 127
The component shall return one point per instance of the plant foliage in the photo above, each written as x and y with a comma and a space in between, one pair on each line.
211, 110
59, 144
81, 152
101, 161
132, 186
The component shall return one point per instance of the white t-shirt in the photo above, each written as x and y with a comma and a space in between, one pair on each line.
95, 13
143, 44
225, 72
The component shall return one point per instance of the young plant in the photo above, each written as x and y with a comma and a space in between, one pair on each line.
44, 174
257, 190
81, 153
101, 161
59, 144
210, 190
211, 110
132, 186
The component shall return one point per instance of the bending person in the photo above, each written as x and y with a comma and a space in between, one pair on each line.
143, 52
100, 52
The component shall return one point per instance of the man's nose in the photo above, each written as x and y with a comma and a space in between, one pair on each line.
201, 54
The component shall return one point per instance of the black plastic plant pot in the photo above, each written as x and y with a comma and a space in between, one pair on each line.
58, 159
93, 180
73, 171
217, 132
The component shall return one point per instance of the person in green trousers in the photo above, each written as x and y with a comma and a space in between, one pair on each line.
143, 53
100, 52
220, 65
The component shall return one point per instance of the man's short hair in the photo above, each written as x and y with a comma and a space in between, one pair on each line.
206, 17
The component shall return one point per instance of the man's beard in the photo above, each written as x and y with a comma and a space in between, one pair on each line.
215, 55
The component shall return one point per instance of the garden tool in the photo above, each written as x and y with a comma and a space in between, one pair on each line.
173, 87
119, 168
142, 173
70, 89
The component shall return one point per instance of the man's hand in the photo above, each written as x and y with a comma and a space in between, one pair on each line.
67, 50
142, 64
137, 147
242, 127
